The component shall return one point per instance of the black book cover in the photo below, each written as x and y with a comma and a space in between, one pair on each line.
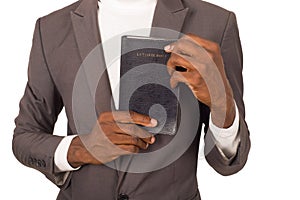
145, 82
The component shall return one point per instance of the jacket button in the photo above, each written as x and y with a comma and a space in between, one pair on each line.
30, 160
38, 163
123, 197
43, 163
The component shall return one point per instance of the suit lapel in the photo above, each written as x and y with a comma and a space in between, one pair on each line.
169, 14
86, 29
85, 24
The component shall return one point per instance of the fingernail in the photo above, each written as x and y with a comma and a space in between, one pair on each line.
153, 122
168, 48
147, 145
152, 139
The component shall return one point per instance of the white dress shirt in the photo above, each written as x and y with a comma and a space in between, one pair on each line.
124, 17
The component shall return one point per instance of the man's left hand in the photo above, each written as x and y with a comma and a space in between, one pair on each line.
199, 64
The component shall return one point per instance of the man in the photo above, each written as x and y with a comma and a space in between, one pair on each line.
82, 164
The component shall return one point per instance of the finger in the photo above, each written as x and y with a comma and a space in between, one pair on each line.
143, 120
181, 46
169, 48
129, 117
124, 139
128, 149
176, 62
170, 69
190, 50
136, 118
210, 46
197, 39
134, 130
176, 78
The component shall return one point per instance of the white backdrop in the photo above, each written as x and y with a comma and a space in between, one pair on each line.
270, 37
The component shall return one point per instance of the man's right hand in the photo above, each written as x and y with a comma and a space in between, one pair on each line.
115, 134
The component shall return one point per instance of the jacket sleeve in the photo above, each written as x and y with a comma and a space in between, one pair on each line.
33, 143
233, 61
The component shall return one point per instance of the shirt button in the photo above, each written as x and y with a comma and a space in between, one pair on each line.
123, 197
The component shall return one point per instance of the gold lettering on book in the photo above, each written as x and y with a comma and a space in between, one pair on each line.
153, 55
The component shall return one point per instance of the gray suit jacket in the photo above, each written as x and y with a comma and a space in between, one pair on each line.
61, 41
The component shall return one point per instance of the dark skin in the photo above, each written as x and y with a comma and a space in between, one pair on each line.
115, 134
204, 74
201, 69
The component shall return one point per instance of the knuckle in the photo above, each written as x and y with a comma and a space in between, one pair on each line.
146, 118
121, 113
125, 129
134, 140
121, 128
169, 62
172, 60
109, 134
215, 46
140, 132
144, 134
179, 45
133, 149
104, 127
132, 129
190, 36
132, 114
103, 116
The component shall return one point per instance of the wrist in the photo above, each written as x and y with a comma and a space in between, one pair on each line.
77, 153
223, 116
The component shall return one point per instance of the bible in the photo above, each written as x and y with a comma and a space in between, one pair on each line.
145, 82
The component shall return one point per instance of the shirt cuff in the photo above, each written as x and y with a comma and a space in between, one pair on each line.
227, 139
61, 152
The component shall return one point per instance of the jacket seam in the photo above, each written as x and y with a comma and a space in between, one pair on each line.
226, 28
45, 59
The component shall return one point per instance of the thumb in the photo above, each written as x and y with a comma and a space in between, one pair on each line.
176, 78
173, 82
